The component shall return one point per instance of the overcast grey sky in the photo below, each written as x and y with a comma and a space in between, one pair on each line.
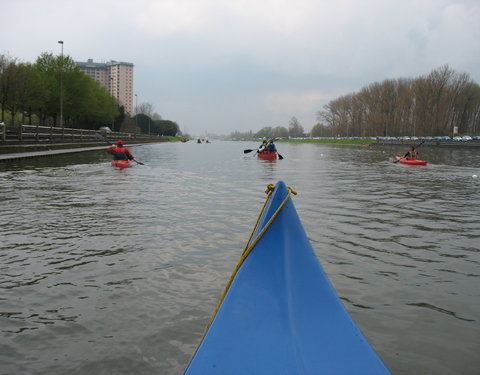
225, 65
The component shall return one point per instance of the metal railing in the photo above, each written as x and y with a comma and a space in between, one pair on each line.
36, 134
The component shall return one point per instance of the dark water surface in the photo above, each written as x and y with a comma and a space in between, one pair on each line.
106, 271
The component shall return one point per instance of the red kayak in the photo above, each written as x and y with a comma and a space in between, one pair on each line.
121, 163
404, 160
267, 155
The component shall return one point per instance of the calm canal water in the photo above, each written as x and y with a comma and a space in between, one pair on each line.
106, 271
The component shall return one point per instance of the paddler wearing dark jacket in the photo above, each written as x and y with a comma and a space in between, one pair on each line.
120, 152
271, 146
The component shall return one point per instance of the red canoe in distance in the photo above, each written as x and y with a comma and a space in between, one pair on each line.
267, 155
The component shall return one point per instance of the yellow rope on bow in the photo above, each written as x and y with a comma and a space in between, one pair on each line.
269, 191
250, 245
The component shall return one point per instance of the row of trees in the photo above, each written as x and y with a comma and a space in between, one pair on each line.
33, 94
432, 105
33, 91
294, 130
435, 104
149, 125
151, 122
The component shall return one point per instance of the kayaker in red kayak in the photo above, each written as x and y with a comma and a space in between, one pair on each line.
120, 152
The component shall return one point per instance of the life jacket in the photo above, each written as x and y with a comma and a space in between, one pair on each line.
119, 153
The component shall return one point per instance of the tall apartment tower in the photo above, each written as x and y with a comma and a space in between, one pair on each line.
115, 77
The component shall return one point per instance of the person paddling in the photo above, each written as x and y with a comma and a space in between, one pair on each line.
271, 146
412, 154
263, 146
120, 152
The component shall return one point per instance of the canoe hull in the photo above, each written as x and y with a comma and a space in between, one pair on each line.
403, 160
281, 315
121, 163
267, 155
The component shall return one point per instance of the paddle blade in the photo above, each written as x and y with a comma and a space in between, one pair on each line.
280, 156
247, 151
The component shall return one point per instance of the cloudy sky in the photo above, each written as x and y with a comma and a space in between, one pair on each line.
224, 65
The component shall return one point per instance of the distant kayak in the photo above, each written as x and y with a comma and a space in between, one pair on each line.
404, 160
279, 313
267, 155
121, 163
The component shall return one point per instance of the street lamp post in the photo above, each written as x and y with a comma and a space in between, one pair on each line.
136, 109
113, 104
61, 91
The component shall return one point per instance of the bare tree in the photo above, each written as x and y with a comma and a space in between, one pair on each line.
430, 105
294, 128
146, 109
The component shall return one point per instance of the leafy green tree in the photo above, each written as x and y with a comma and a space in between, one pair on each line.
52, 67
166, 127
7, 79
144, 122
12, 89
85, 103
34, 91
120, 120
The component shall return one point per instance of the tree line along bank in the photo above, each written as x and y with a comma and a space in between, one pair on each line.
441, 103
33, 93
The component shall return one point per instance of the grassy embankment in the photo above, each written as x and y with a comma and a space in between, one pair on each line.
330, 140
173, 138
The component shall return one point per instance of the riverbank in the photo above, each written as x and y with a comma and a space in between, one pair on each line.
31, 138
22, 151
27, 152
339, 141
46, 153
392, 142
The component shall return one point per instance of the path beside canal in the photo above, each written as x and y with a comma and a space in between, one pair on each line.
51, 152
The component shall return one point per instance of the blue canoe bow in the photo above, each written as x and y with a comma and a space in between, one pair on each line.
280, 314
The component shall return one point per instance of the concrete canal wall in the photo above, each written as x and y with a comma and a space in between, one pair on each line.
34, 141
45, 140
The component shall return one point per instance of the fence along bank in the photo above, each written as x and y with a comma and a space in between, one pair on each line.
35, 137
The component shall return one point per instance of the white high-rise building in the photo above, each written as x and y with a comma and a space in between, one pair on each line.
116, 77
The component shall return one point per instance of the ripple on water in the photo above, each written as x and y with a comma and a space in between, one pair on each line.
106, 271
